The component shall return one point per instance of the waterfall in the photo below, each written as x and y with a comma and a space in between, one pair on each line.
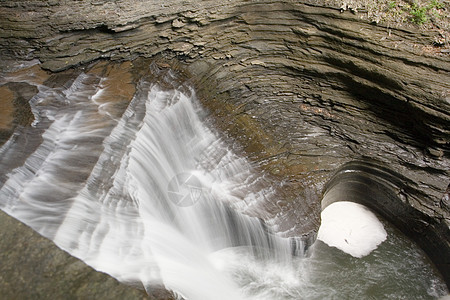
153, 196
147, 197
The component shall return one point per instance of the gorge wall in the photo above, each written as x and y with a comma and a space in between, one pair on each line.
301, 89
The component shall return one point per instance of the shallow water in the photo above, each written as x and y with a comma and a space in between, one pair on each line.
154, 195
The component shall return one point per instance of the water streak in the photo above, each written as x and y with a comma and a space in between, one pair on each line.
100, 188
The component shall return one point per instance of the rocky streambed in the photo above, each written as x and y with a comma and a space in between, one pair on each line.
308, 93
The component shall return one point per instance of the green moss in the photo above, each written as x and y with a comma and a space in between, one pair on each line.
436, 4
419, 14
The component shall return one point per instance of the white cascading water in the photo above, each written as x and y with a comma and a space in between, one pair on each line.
153, 196
128, 218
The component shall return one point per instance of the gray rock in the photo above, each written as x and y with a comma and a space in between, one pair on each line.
34, 268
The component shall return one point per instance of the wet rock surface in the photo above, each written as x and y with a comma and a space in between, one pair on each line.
32, 267
300, 89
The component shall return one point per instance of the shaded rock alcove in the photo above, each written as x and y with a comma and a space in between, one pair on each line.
301, 89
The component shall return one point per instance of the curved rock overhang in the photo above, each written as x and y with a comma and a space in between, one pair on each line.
302, 89
382, 190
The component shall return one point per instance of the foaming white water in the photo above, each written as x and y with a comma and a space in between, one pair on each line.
351, 227
261, 278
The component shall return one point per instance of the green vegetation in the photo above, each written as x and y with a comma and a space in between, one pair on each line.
419, 12
392, 5
436, 4
431, 15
